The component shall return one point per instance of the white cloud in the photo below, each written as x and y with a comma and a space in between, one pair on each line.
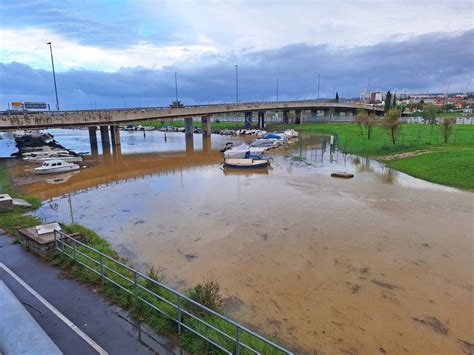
29, 46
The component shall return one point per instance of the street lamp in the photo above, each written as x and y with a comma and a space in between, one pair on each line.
236, 83
54, 75
176, 85
319, 78
277, 87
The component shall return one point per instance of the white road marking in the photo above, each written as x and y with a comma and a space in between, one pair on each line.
58, 314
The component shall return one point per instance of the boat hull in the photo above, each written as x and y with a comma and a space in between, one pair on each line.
245, 163
61, 169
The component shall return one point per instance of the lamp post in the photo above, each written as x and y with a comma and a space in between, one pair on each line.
319, 78
54, 75
236, 84
176, 85
277, 87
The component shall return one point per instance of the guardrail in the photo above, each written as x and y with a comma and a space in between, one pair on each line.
223, 333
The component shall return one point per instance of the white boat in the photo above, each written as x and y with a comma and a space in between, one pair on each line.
55, 166
66, 158
249, 163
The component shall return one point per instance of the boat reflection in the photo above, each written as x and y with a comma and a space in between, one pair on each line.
247, 172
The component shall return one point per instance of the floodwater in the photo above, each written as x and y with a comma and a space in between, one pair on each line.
381, 263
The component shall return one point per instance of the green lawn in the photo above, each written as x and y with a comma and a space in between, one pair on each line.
453, 167
450, 164
196, 124
11, 219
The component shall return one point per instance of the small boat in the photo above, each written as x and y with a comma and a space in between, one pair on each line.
246, 163
343, 175
55, 166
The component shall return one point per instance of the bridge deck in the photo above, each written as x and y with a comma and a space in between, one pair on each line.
121, 116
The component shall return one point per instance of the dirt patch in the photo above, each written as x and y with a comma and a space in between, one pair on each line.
403, 155
232, 304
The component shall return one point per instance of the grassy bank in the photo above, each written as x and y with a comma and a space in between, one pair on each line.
206, 293
11, 219
196, 124
449, 163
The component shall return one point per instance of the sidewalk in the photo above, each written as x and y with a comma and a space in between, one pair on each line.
103, 324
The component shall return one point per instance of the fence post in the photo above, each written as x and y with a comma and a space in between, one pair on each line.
179, 314
135, 282
74, 249
101, 267
237, 341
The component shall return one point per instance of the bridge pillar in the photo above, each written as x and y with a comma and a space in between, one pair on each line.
206, 143
314, 115
93, 141
248, 120
188, 125
285, 116
115, 135
261, 119
297, 116
189, 138
206, 125
104, 137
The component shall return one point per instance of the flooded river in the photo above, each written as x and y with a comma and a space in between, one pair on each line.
381, 263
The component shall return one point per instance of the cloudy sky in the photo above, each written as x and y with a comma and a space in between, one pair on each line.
119, 53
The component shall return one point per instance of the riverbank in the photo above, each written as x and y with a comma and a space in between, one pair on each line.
450, 164
206, 293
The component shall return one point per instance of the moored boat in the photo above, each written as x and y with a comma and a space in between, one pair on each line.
246, 163
55, 166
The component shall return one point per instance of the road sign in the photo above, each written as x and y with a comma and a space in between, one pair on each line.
35, 105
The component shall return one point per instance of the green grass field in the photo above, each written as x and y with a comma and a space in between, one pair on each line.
11, 219
450, 164
196, 124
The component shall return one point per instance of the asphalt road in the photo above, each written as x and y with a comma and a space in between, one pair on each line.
102, 323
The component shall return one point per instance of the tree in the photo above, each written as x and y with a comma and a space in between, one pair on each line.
331, 112
370, 123
337, 97
388, 101
360, 118
448, 124
176, 104
394, 100
429, 116
391, 121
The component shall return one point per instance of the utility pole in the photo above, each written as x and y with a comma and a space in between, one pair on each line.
319, 78
54, 75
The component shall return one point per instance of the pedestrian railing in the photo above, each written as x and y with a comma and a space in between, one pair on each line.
223, 333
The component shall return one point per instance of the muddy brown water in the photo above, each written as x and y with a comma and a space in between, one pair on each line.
381, 263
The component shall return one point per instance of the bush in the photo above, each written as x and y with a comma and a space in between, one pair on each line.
207, 294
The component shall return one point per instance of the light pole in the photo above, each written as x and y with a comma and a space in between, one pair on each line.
176, 85
319, 78
236, 84
54, 75
277, 87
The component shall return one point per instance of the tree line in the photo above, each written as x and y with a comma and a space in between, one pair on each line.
391, 122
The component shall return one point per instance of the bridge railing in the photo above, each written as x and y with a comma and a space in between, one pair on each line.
221, 332
154, 108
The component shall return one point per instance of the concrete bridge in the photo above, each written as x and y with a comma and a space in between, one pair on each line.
114, 117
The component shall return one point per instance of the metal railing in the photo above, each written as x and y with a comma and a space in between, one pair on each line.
225, 334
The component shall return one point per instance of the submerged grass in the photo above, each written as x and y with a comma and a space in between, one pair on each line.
449, 163
139, 301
